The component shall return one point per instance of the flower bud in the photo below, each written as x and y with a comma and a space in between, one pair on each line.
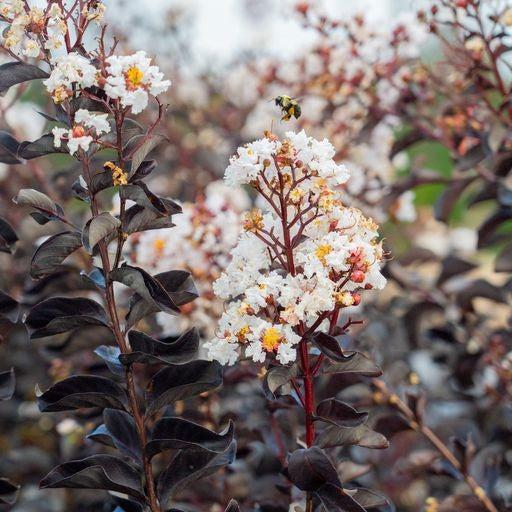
357, 276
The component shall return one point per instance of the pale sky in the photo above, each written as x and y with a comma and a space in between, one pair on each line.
217, 30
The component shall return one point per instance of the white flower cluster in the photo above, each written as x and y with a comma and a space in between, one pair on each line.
32, 30
200, 242
131, 79
70, 70
352, 73
255, 159
87, 128
304, 257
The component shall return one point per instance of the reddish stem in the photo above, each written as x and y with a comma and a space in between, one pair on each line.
309, 394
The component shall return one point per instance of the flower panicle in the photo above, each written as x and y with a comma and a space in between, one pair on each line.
303, 254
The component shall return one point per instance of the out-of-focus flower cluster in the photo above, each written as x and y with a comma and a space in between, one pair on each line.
302, 257
36, 31
352, 84
201, 242
112, 81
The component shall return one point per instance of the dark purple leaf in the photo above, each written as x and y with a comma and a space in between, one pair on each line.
358, 364
121, 427
48, 209
145, 169
188, 466
63, 314
277, 377
339, 413
140, 194
232, 507
13, 73
487, 232
45, 145
447, 200
177, 382
181, 434
140, 147
483, 289
310, 468
99, 228
110, 355
52, 252
145, 286
179, 286
330, 347
172, 350
9, 308
361, 435
97, 472
391, 424
82, 391
8, 237
8, 149
7, 384
8, 491
453, 266
336, 499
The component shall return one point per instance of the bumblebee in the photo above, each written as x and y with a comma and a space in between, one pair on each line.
289, 107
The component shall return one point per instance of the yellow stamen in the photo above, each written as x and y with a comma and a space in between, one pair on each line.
134, 77
242, 334
119, 177
271, 339
253, 220
322, 251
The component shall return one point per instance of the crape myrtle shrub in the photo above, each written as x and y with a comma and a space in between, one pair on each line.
403, 128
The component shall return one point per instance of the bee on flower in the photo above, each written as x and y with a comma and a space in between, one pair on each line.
301, 259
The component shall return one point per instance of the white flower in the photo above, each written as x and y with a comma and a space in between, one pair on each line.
97, 121
87, 128
31, 48
58, 135
67, 427
286, 353
70, 69
220, 350
132, 78
475, 44
76, 143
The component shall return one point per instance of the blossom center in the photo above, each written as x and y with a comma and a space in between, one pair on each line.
322, 251
134, 77
271, 339
242, 333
